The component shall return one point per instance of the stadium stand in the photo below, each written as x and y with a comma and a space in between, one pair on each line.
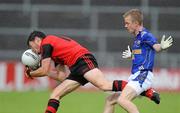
96, 24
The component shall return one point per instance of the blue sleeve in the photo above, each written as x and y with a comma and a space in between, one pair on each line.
150, 39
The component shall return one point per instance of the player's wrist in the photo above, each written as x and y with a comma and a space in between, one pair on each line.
161, 47
28, 73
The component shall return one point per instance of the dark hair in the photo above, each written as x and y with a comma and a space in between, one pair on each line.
34, 34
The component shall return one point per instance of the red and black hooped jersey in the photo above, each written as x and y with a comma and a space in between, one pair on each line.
62, 49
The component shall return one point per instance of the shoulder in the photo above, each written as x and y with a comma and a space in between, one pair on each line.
49, 38
146, 35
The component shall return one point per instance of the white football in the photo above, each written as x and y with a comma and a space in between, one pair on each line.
30, 59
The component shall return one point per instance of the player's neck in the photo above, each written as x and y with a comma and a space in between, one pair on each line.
139, 28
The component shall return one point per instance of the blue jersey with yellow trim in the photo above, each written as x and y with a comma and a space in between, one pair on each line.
143, 52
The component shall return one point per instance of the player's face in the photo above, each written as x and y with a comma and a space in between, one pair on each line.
35, 45
130, 25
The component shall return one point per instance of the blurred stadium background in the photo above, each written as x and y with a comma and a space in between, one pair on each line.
97, 25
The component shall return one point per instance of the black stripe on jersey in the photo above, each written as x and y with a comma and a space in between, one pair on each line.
47, 51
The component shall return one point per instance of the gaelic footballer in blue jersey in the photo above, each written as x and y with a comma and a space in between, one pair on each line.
142, 54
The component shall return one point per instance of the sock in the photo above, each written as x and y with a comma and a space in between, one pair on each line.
53, 105
148, 93
118, 85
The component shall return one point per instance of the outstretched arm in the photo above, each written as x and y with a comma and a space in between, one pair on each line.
165, 43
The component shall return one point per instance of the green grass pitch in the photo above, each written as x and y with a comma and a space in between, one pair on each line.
80, 102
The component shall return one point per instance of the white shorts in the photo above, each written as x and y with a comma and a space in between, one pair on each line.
141, 81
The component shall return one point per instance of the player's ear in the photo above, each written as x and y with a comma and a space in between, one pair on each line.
37, 40
136, 22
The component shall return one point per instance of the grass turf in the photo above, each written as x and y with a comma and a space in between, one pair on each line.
80, 102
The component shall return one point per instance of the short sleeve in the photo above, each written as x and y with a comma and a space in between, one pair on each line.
150, 39
47, 50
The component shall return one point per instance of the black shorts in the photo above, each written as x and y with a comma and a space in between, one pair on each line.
83, 64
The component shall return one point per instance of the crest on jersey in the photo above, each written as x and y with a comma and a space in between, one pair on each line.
137, 43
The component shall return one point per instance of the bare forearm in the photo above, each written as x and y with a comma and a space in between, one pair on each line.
59, 76
157, 47
38, 73
43, 70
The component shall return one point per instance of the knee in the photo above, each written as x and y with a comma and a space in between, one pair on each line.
110, 100
121, 100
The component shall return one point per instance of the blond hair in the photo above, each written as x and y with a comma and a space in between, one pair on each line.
135, 14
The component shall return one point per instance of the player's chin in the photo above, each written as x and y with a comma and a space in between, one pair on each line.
131, 32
